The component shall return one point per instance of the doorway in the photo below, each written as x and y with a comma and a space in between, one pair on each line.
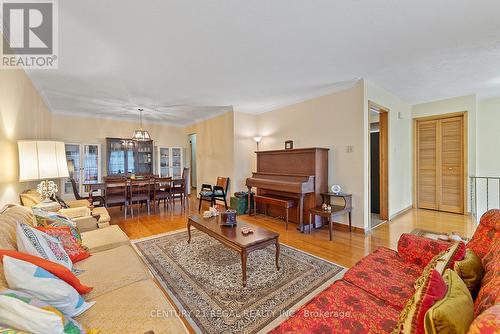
440, 162
192, 149
379, 162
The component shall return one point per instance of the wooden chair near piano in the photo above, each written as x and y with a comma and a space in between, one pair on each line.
218, 192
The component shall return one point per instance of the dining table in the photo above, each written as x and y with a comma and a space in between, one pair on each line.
100, 185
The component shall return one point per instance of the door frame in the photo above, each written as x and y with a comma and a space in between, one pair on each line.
465, 153
383, 158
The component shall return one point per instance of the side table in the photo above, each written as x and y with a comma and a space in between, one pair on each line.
336, 210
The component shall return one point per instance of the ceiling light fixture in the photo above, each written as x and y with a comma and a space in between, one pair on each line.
141, 134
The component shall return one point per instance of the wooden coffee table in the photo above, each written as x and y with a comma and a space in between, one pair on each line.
232, 237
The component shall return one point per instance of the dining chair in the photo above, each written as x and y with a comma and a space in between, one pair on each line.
162, 187
116, 193
140, 192
179, 188
216, 193
95, 198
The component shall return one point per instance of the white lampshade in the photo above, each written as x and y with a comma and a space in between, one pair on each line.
257, 139
41, 160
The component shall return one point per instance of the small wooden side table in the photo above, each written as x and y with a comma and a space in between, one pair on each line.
336, 210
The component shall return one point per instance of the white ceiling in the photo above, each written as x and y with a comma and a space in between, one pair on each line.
186, 60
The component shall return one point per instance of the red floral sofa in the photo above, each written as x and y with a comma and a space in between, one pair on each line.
372, 293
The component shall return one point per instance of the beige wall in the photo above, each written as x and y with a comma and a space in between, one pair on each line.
245, 128
400, 147
24, 115
215, 148
333, 121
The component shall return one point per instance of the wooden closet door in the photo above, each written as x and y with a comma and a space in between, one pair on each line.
427, 164
452, 165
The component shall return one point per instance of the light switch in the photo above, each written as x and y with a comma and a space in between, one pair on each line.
349, 148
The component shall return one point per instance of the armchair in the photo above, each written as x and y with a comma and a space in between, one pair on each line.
215, 193
80, 211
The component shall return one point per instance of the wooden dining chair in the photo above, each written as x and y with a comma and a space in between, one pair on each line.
94, 198
179, 188
116, 193
162, 190
216, 193
140, 192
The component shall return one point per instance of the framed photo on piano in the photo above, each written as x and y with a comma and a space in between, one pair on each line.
289, 145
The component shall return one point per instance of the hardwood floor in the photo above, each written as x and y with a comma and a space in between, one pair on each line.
345, 248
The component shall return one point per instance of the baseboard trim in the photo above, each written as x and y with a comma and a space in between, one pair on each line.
401, 212
345, 228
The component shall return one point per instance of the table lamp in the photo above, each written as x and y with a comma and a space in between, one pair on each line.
42, 160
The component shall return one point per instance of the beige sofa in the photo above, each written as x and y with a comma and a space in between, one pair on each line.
87, 218
127, 298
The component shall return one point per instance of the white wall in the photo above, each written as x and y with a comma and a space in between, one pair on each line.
400, 148
488, 137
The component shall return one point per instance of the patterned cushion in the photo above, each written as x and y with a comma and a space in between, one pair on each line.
444, 260
341, 308
34, 242
51, 219
489, 294
487, 231
54, 268
386, 275
470, 271
211, 193
23, 311
411, 319
38, 282
9, 218
487, 322
419, 250
71, 245
454, 313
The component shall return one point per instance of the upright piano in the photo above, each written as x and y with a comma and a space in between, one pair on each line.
300, 174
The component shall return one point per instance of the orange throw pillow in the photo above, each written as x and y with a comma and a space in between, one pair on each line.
54, 268
72, 247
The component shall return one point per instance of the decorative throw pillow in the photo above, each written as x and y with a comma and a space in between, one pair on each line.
54, 268
444, 260
455, 312
489, 293
47, 218
470, 270
24, 312
487, 322
38, 282
34, 242
5, 330
411, 318
72, 247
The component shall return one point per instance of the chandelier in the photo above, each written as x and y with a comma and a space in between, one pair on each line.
141, 134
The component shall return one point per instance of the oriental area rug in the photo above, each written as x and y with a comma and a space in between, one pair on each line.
204, 280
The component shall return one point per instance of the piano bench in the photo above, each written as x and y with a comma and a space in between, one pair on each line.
280, 201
